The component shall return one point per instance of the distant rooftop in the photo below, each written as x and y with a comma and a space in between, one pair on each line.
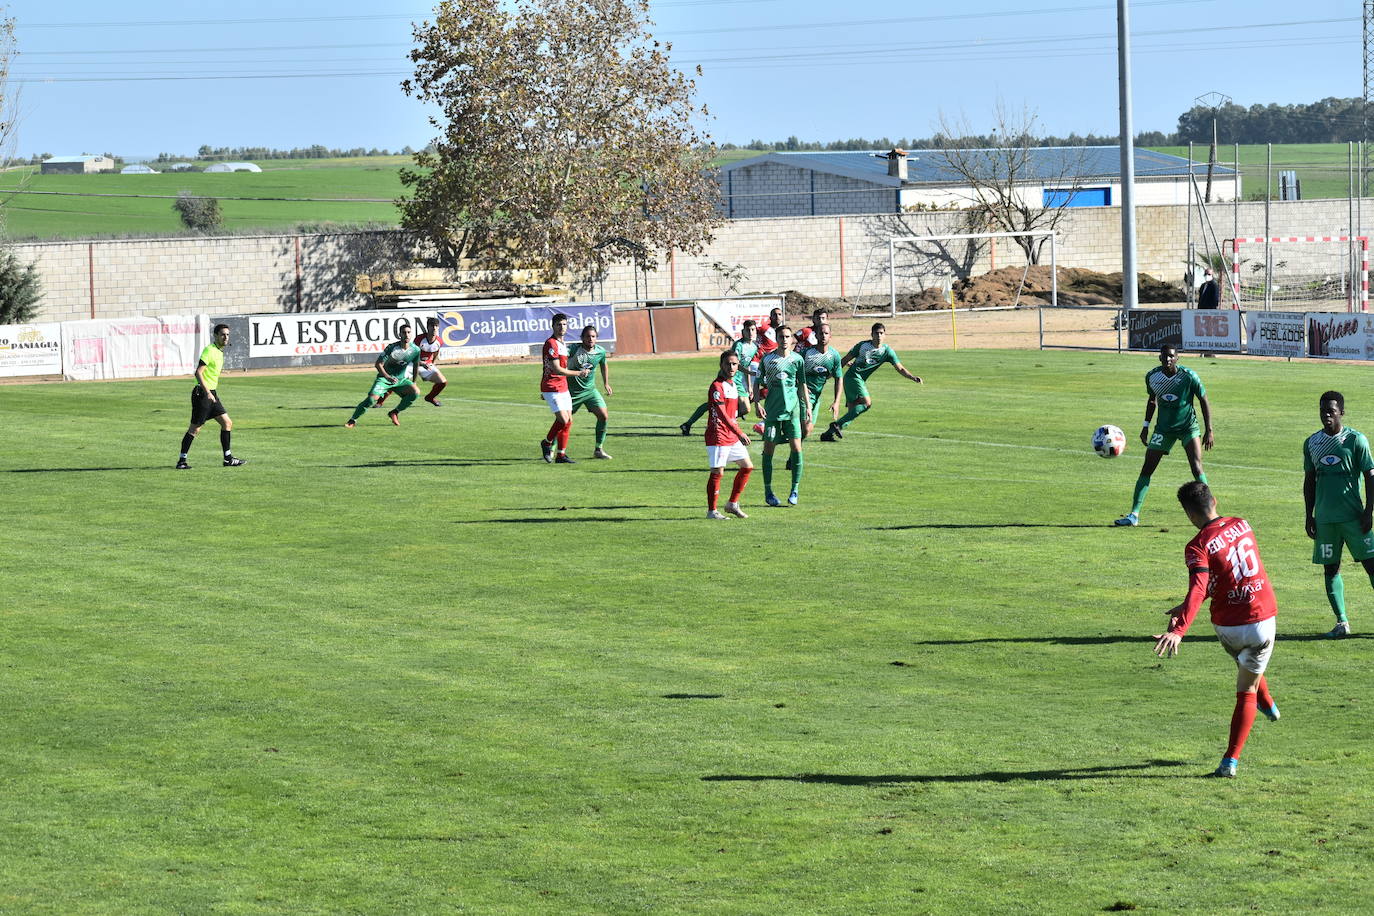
73, 158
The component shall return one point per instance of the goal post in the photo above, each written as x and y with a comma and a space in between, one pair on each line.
1311, 271
926, 267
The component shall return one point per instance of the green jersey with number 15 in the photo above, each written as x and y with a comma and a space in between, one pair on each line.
1338, 462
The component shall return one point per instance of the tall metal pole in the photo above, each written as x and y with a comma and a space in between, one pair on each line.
1365, 114
1268, 250
1192, 264
1129, 290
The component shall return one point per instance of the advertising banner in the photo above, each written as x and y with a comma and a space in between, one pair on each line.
1211, 330
1150, 329
329, 333
729, 315
1276, 333
133, 347
520, 326
31, 349
1340, 335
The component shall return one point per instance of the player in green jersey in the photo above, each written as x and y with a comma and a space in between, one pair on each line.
822, 364
746, 348
588, 355
397, 369
205, 402
1172, 389
1335, 460
786, 411
864, 359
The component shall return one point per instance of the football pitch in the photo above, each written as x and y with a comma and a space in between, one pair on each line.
418, 670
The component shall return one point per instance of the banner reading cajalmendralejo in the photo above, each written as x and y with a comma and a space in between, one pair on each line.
521, 325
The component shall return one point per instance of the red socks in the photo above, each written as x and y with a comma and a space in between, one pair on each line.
741, 478
713, 490
1262, 694
1241, 720
558, 432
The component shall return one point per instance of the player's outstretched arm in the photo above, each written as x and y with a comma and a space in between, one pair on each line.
902, 370
1309, 498
1206, 421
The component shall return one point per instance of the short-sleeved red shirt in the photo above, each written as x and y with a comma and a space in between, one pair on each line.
1240, 588
723, 401
557, 351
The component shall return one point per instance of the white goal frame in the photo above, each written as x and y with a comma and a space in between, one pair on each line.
892, 244
1359, 282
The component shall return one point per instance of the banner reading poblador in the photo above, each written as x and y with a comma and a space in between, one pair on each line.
1276, 333
31, 349
1211, 330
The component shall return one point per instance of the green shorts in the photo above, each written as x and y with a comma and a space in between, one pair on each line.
589, 398
779, 431
381, 386
1326, 549
855, 389
1163, 440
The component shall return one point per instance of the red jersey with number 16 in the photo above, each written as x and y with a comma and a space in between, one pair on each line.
1240, 589
723, 400
556, 351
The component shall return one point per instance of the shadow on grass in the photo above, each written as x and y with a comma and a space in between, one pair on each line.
692, 696
343, 407
1120, 771
246, 427
991, 525
573, 508
1109, 640
655, 471
430, 463
146, 467
547, 519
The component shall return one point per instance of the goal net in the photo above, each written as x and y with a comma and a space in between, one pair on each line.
970, 270
1301, 273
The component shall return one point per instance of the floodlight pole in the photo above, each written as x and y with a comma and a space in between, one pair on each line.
1123, 53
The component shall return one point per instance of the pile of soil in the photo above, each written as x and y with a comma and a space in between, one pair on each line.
1076, 287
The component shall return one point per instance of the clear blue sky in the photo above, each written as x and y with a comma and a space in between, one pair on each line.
141, 78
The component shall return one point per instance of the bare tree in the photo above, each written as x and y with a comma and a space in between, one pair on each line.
567, 140
1005, 177
20, 286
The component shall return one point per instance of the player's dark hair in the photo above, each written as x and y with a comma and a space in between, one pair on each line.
1167, 346
877, 326
220, 327
401, 324
725, 353
1195, 495
1332, 396
751, 323
431, 320
818, 312
590, 327
780, 328
559, 316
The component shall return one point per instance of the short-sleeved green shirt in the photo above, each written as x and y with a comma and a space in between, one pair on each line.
397, 359
821, 367
1339, 462
746, 350
865, 359
783, 376
1173, 397
213, 357
580, 358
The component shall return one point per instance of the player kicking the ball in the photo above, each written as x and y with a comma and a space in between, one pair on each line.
587, 355
553, 385
786, 411
863, 359
397, 369
1171, 388
1335, 460
1224, 561
726, 443
430, 345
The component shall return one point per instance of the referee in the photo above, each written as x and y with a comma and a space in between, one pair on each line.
205, 402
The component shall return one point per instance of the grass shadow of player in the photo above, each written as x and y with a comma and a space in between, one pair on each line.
296, 407
1053, 640
299, 426
574, 508
429, 463
990, 525
546, 520
1119, 771
146, 467
653, 471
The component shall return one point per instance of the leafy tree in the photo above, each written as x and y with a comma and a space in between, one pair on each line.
566, 138
199, 213
20, 289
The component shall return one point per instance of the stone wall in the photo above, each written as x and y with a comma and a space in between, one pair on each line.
818, 255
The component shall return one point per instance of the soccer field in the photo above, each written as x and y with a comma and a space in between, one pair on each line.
418, 670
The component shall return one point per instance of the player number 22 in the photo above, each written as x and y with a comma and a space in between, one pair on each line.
1244, 562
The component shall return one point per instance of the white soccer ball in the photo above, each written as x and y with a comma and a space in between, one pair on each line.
1109, 441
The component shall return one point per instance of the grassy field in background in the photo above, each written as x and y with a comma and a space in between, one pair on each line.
419, 670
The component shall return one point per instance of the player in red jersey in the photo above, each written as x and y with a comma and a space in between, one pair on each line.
1224, 562
725, 441
553, 384
430, 345
768, 338
806, 337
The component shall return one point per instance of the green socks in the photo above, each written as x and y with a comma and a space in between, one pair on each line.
701, 412
362, 408
1335, 593
1201, 477
1142, 486
768, 472
406, 401
601, 430
851, 415
796, 470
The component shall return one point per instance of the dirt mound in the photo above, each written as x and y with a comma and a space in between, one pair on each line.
1076, 287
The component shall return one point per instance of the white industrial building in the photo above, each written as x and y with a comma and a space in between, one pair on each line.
233, 167
894, 181
76, 165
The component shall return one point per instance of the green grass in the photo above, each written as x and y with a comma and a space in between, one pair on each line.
44, 216
418, 670
1322, 168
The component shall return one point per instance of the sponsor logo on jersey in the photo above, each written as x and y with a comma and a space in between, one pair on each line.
1171, 397
1329, 460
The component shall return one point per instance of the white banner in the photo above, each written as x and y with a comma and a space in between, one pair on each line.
334, 333
730, 314
1211, 330
133, 347
31, 349
1340, 335
1276, 333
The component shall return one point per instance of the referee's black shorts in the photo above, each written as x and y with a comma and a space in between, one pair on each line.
204, 407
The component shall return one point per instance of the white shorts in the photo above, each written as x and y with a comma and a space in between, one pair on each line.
558, 401
1249, 644
428, 373
718, 456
